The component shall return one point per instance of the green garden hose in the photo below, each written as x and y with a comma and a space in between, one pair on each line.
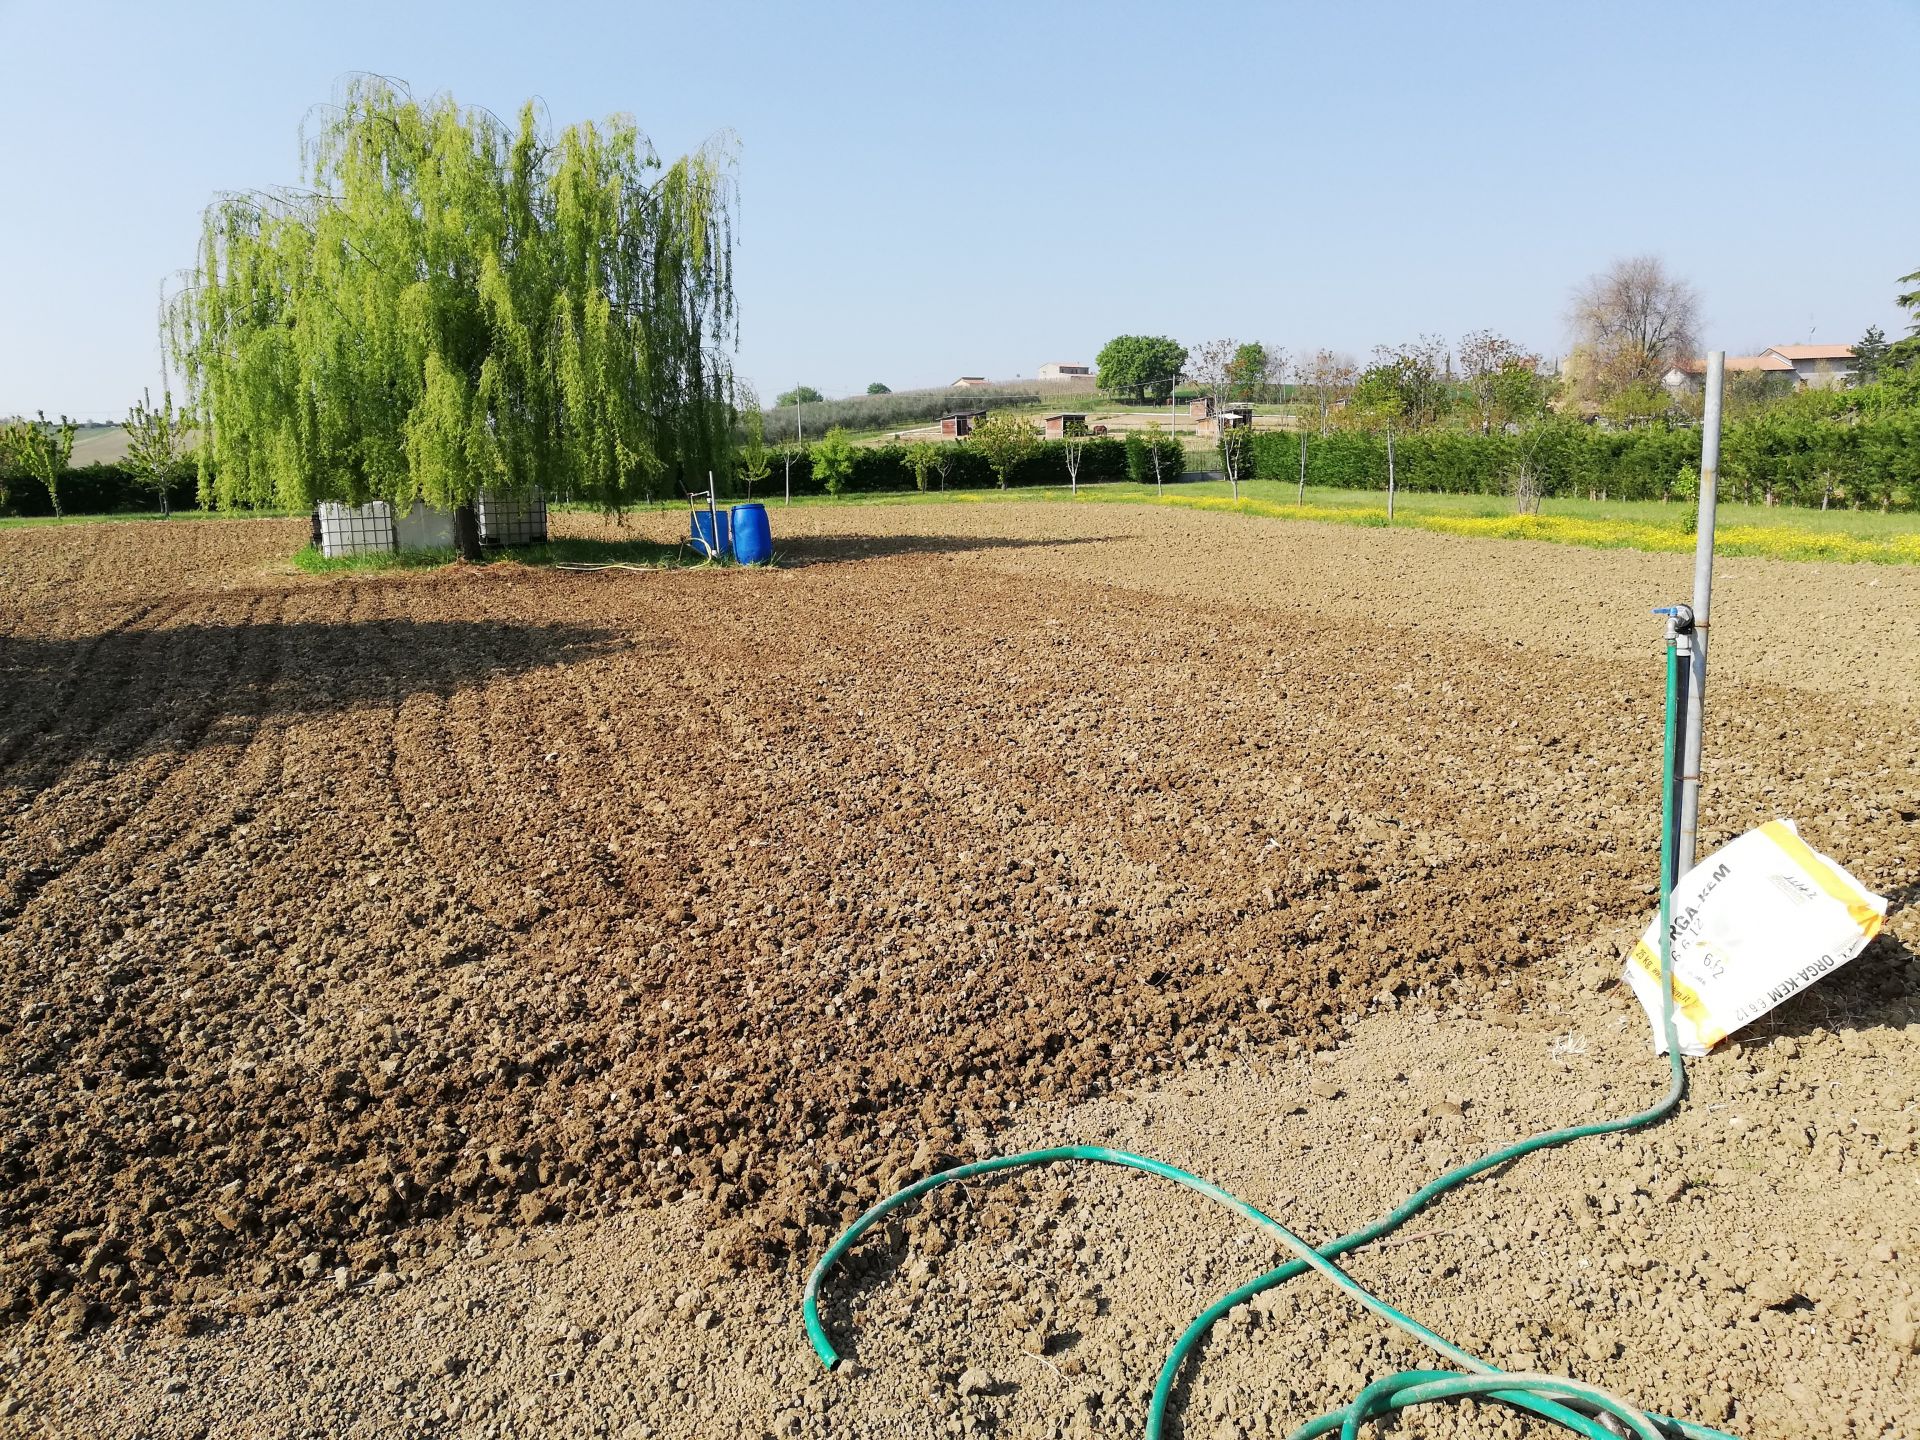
1573, 1405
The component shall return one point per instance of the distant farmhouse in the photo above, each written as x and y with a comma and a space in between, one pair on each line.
1813, 367
968, 382
1065, 370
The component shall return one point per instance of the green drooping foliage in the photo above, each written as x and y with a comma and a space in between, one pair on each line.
40, 448
455, 305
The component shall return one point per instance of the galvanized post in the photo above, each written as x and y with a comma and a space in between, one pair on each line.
713, 516
1303, 467
1389, 472
1696, 680
1680, 627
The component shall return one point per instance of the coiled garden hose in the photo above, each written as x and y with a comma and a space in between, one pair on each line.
1573, 1405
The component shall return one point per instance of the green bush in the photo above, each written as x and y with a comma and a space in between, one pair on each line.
92, 490
1872, 461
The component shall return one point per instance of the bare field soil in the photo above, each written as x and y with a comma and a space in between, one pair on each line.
356, 933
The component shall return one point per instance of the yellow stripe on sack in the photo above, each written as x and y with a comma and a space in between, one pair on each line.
1685, 998
1826, 877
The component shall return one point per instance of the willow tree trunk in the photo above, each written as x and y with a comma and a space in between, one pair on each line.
466, 532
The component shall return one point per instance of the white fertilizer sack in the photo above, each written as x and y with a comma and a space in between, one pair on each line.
1757, 921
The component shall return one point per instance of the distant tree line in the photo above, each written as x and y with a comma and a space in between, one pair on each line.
803, 413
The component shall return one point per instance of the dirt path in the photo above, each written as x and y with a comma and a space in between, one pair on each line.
355, 933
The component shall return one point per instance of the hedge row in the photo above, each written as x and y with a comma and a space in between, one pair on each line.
886, 467
92, 490
1874, 462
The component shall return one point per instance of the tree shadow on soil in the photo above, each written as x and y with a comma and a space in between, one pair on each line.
794, 552
132, 691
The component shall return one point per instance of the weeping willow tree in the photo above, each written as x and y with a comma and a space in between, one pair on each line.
456, 305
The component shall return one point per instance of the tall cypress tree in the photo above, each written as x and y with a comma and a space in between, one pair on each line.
454, 305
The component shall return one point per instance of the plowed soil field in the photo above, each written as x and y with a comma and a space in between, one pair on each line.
344, 920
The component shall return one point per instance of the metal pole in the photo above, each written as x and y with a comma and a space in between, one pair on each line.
1389, 472
1702, 597
713, 516
1303, 467
1680, 631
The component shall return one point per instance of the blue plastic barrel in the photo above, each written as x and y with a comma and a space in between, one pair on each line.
705, 543
752, 535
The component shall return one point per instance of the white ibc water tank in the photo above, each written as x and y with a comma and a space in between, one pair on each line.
424, 527
354, 529
512, 519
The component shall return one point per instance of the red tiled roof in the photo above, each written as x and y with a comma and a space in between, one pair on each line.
1812, 352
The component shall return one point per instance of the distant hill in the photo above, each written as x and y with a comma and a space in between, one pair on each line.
97, 444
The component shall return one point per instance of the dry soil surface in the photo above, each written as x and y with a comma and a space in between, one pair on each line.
464, 1002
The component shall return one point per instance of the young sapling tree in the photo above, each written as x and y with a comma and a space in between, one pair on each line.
1073, 449
42, 449
1005, 440
156, 444
833, 460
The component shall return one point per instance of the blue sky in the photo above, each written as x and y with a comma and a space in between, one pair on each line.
931, 190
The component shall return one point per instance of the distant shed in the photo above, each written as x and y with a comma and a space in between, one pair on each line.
959, 425
1056, 425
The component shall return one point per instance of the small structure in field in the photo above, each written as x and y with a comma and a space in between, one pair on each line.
424, 527
1201, 408
968, 382
372, 529
341, 530
1055, 426
1214, 420
512, 519
959, 425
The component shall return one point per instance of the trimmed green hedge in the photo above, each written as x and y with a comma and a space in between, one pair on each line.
879, 468
92, 490
1873, 462
1799, 460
